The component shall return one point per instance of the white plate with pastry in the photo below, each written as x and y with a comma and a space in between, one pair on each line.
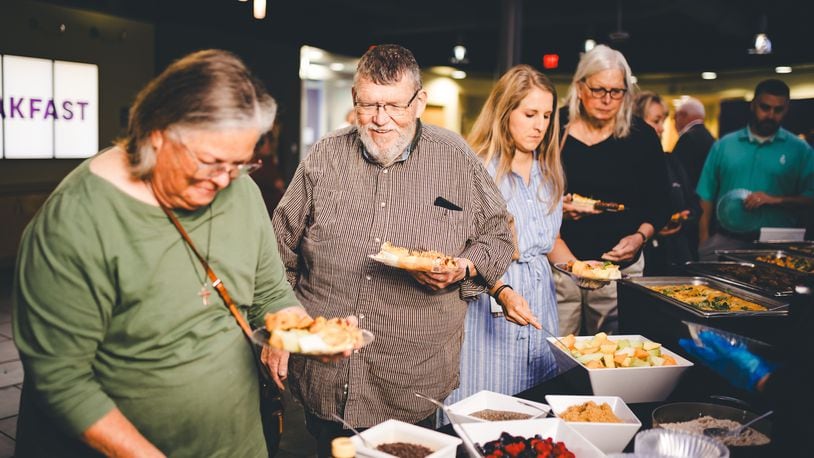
590, 274
310, 336
415, 260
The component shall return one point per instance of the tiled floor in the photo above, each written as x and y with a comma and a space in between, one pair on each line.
296, 441
11, 372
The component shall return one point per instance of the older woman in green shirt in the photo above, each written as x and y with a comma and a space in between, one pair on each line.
127, 349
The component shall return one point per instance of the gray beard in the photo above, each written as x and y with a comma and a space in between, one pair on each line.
384, 157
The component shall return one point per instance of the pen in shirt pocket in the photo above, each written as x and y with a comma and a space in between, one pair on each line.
443, 203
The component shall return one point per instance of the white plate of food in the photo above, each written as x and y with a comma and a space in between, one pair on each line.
487, 435
587, 203
415, 260
590, 275
310, 336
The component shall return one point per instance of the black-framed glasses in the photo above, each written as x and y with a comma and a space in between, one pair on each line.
392, 109
207, 171
615, 93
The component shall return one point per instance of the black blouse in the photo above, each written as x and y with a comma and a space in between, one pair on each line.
630, 171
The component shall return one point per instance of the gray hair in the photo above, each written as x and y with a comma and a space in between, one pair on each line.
692, 107
598, 59
388, 64
210, 89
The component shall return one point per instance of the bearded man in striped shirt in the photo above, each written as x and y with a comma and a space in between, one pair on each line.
387, 178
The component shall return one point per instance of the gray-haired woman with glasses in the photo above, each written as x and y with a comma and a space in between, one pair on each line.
127, 348
611, 156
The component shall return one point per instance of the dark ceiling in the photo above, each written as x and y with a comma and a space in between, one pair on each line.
664, 35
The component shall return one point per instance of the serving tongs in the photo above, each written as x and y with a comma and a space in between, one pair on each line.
452, 420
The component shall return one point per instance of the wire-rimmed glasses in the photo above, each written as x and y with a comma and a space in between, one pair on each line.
207, 171
392, 109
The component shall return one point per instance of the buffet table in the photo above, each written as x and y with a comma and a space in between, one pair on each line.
697, 385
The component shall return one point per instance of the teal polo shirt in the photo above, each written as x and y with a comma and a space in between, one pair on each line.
780, 166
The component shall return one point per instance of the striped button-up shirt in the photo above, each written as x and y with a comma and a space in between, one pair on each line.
339, 209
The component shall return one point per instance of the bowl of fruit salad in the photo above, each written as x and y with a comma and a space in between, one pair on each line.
542, 437
629, 366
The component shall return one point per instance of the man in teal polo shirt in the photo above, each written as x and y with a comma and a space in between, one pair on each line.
759, 176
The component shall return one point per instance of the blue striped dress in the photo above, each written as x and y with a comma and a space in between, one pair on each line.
498, 355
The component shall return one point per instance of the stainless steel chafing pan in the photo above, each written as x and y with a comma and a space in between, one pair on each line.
752, 255
774, 307
754, 277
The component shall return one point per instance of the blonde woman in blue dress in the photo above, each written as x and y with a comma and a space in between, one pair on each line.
516, 136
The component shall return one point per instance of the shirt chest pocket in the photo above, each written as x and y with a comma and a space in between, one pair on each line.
326, 214
449, 230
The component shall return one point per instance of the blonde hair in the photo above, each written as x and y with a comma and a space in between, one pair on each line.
644, 99
598, 59
490, 136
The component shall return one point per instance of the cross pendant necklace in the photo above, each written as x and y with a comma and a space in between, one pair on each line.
204, 293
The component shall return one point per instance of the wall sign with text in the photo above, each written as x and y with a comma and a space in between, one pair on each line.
48, 108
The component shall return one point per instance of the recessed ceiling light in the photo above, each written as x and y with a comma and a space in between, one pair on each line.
709, 75
458, 74
782, 69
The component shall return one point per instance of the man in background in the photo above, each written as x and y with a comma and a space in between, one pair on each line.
694, 143
694, 140
762, 174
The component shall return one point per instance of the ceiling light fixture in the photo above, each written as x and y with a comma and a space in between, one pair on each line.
619, 35
763, 45
782, 69
459, 54
458, 74
259, 9
589, 44
709, 75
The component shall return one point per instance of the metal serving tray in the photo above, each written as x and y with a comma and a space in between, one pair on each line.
805, 247
751, 255
774, 307
760, 284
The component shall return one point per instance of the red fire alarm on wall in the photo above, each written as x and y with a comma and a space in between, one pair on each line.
551, 60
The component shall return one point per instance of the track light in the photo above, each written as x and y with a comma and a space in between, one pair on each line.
763, 45
459, 54
259, 9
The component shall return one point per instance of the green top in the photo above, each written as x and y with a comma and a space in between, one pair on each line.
782, 166
107, 313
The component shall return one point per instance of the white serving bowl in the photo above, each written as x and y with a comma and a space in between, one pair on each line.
633, 384
608, 437
481, 400
443, 445
554, 428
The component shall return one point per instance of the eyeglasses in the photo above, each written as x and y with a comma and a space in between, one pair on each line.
393, 110
207, 171
600, 92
